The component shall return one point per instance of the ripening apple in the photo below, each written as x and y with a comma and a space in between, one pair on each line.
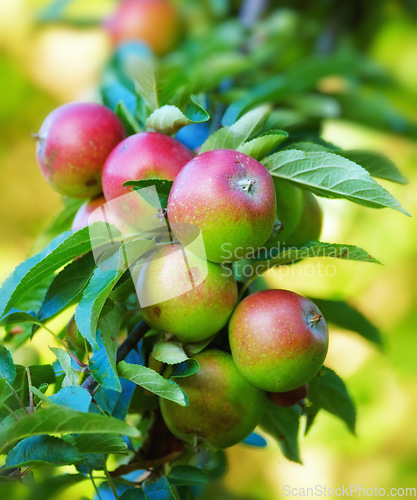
310, 223
223, 408
278, 339
184, 295
146, 155
155, 22
73, 144
229, 197
289, 208
288, 398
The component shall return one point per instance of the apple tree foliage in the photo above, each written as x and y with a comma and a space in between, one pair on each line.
262, 86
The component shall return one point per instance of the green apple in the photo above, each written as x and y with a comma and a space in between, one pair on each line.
224, 408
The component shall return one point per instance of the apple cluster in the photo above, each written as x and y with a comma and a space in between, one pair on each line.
277, 339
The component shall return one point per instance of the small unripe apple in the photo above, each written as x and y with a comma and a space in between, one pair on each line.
288, 398
309, 225
184, 295
73, 144
155, 22
278, 339
229, 197
223, 408
289, 208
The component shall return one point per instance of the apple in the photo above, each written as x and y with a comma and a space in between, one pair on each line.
184, 295
223, 408
289, 208
229, 197
278, 339
146, 155
288, 398
310, 223
73, 144
155, 22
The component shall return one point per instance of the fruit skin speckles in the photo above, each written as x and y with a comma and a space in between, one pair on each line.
73, 144
278, 339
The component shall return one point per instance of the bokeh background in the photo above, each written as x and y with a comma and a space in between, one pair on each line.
44, 66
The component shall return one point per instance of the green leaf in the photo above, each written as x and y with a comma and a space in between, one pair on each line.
181, 475
102, 364
67, 286
62, 222
169, 352
133, 494
43, 450
50, 487
96, 293
269, 258
16, 316
40, 374
328, 391
263, 145
169, 119
129, 121
377, 164
283, 424
60, 420
272, 90
159, 490
72, 396
72, 376
332, 176
7, 367
142, 69
162, 186
153, 382
232, 137
100, 443
185, 369
27, 275
343, 315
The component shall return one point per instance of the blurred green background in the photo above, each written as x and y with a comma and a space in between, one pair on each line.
42, 67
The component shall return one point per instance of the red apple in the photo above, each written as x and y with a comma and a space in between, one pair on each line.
229, 197
155, 22
73, 144
146, 155
278, 339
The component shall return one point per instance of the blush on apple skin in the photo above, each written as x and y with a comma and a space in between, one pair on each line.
278, 339
229, 197
187, 296
72, 145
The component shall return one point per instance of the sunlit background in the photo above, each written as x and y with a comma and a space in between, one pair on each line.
42, 67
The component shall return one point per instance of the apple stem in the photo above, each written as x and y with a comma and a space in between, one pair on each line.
37, 137
316, 318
